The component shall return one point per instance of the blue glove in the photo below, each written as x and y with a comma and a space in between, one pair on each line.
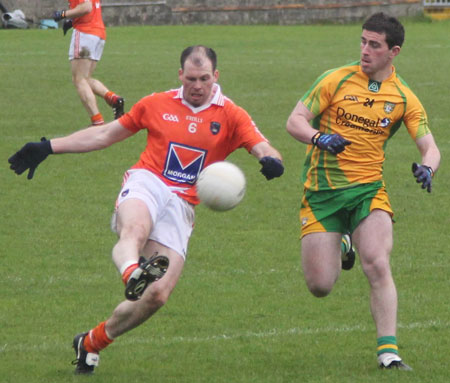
423, 174
271, 167
59, 15
333, 143
30, 156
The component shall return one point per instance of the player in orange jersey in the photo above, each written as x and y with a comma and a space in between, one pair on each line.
187, 129
346, 119
86, 49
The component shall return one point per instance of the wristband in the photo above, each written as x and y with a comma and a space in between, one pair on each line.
315, 138
430, 169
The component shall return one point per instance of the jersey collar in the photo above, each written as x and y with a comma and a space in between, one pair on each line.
391, 76
218, 99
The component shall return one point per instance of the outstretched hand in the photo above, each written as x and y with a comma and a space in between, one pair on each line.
30, 156
423, 174
271, 167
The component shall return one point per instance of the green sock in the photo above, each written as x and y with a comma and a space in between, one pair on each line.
387, 344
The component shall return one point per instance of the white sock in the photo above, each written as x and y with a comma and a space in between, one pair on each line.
126, 265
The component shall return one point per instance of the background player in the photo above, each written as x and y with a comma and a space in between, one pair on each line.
86, 49
187, 129
346, 118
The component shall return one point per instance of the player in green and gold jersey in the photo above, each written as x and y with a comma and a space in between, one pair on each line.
347, 117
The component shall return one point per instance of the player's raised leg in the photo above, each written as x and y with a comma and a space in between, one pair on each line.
128, 315
132, 223
116, 102
81, 71
321, 261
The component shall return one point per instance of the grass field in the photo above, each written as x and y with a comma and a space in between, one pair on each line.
241, 311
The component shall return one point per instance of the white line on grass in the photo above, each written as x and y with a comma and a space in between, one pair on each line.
275, 332
278, 332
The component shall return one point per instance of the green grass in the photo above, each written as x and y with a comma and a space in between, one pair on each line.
241, 311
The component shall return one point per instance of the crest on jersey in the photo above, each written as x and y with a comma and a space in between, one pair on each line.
374, 86
183, 163
389, 107
214, 127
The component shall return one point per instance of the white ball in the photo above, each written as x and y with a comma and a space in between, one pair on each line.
221, 186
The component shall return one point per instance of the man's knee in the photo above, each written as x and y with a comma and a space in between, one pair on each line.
79, 81
377, 269
319, 288
156, 296
134, 231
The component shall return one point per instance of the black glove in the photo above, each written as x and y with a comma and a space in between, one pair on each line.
333, 143
423, 174
30, 156
67, 24
271, 167
59, 15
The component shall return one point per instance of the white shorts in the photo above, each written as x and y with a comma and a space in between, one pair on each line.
85, 46
172, 216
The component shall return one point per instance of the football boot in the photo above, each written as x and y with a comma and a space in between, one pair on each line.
85, 361
147, 272
389, 360
348, 256
118, 107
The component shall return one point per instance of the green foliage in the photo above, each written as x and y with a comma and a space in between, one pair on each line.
241, 311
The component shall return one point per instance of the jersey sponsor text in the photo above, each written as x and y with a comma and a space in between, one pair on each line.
354, 121
183, 163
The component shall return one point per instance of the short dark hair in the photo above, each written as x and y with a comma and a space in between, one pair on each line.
201, 50
383, 23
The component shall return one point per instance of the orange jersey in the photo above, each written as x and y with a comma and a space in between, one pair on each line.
367, 113
92, 23
182, 140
